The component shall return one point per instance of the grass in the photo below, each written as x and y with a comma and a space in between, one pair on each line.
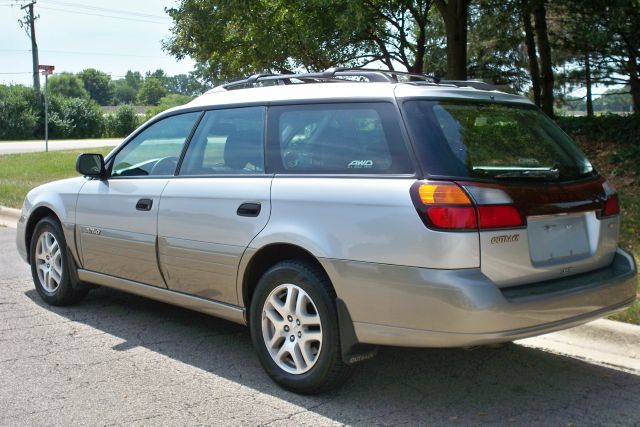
605, 157
19, 173
630, 240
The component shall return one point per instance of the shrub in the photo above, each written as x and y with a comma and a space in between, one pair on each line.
623, 130
124, 121
74, 118
620, 133
19, 118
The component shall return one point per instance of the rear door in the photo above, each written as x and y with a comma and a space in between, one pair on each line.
513, 156
117, 217
217, 204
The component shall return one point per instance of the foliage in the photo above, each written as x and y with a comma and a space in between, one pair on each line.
98, 85
121, 123
186, 84
18, 112
166, 102
74, 118
68, 85
151, 91
230, 38
123, 93
621, 133
499, 60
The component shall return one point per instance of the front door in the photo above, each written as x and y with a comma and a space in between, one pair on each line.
215, 206
117, 217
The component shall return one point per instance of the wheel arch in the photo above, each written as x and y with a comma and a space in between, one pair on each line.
260, 260
36, 215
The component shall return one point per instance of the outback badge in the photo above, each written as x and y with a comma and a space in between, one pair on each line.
507, 238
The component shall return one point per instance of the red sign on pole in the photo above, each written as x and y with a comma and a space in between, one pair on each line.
48, 69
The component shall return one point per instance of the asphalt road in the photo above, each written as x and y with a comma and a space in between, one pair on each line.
11, 147
120, 359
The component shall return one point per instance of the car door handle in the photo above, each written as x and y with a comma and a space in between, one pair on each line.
144, 204
249, 209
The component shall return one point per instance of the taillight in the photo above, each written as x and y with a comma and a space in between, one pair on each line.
452, 217
611, 206
499, 216
444, 206
447, 206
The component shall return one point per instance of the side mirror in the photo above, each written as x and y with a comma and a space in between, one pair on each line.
91, 165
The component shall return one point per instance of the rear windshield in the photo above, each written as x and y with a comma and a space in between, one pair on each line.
495, 141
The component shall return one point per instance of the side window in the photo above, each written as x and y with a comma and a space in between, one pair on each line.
156, 150
227, 142
338, 138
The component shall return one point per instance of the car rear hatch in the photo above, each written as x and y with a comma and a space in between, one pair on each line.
542, 212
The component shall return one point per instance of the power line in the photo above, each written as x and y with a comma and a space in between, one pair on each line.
19, 72
70, 52
104, 16
104, 9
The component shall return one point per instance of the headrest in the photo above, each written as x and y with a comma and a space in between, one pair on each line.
243, 147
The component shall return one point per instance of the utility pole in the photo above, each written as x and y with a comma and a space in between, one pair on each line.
46, 70
30, 22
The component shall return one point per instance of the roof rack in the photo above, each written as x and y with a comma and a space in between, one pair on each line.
348, 74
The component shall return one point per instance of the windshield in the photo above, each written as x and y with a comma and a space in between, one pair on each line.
489, 140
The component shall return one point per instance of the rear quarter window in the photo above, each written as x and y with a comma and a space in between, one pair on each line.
363, 138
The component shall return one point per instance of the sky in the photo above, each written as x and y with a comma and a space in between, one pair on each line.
112, 36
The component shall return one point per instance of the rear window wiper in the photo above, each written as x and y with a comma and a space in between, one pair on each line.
550, 174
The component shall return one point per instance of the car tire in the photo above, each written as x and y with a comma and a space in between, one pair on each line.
50, 265
298, 344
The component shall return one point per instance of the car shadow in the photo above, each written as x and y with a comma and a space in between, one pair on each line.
513, 384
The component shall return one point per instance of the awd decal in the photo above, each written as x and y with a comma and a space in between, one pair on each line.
361, 164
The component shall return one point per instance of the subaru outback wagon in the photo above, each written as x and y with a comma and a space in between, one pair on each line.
338, 211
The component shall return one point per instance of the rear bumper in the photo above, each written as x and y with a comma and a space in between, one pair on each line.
418, 307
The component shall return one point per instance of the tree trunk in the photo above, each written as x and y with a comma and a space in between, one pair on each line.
634, 83
587, 81
418, 64
546, 66
634, 80
455, 15
534, 68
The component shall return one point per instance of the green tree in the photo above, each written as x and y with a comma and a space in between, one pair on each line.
98, 85
229, 38
134, 79
123, 93
151, 91
68, 85
18, 112
126, 89
620, 22
494, 56
186, 84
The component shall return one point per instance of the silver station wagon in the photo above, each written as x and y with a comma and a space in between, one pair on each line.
338, 211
